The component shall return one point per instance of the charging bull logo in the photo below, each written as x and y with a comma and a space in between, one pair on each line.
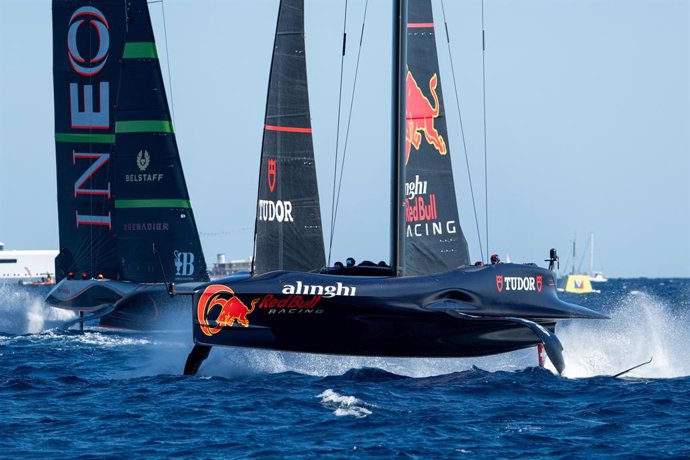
420, 116
232, 309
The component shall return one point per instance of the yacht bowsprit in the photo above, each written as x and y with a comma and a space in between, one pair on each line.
429, 302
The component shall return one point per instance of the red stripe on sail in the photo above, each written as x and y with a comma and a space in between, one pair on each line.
420, 25
288, 129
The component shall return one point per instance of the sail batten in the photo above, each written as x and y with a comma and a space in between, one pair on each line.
288, 232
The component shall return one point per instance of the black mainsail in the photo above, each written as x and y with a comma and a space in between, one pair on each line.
157, 238
288, 233
429, 236
88, 39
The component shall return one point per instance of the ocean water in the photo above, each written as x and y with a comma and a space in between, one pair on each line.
109, 394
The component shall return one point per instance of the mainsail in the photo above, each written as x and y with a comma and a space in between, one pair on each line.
288, 233
157, 238
430, 239
88, 39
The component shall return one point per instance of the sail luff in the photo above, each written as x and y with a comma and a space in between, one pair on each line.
288, 231
399, 45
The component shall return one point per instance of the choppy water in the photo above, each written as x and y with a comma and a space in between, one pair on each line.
104, 394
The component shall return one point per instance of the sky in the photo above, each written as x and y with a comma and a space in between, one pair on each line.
587, 123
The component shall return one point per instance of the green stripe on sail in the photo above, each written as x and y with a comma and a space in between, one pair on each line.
140, 50
85, 138
143, 126
171, 203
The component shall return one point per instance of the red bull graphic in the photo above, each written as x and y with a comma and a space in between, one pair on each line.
232, 309
420, 115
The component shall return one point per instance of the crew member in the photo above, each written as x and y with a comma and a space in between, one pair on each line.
495, 259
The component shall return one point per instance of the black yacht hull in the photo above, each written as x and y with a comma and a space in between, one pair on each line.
469, 311
122, 305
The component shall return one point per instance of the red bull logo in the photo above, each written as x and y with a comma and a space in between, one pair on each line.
420, 116
232, 309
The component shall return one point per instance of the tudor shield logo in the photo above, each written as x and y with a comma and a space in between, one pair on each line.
539, 283
499, 282
272, 174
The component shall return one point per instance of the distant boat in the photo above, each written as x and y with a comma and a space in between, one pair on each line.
595, 276
577, 283
27, 267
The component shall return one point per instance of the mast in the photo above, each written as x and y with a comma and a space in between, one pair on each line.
574, 256
591, 253
399, 15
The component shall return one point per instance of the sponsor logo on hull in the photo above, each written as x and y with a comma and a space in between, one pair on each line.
230, 309
519, 283
317, 290
291, 304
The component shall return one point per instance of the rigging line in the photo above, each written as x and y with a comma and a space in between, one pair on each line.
167, 60
486, 161
462, 132
337, 135
349, 119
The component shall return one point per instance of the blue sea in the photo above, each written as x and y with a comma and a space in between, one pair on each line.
109, 394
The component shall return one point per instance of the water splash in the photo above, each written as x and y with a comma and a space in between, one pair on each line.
231, 362
641, 326
343, 406
22, 310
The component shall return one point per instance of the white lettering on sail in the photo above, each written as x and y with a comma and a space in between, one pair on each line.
324, 291
431, 229
279, 210
417, 187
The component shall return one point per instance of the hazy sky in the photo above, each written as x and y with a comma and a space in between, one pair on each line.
587, 112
